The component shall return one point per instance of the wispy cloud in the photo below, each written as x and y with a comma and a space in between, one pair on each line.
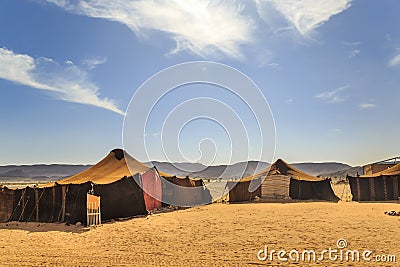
394, 61
351, 43
307, 15
354, 53
273, 65
199, 26
332, 96
65, 81
92, 63
367, 106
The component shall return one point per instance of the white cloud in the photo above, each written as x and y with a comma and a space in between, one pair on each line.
332, 96
367, 105
307, 15
289, 101
200, 26
354, 53
273, 65
66, 82
394, 61
92, 63
351, 43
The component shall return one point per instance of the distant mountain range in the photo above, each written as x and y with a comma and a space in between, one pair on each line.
196, 170
241, 169
54, 172
39, 172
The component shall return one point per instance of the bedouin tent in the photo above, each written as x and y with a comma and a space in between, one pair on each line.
65, 200
282, 180
381, 186
111, 179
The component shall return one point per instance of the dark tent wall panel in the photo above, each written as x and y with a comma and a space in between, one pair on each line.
396, 186
6, 204
323, 190
380, 188
167, 192
389, 187
75, 202
37, 204
18, 204
58, 201
201, 194
121, 199
24, 206
355, 188
239, 191
306, 190
49, 203
175, 191
302, 190
378, 185
364, 189
29, 205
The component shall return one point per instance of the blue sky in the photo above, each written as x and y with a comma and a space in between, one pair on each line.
330, 71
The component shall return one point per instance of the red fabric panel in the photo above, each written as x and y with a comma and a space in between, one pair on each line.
152, 187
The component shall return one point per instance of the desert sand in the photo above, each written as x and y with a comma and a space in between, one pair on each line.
211, 235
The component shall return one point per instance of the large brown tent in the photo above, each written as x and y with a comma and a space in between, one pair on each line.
381, 186
65, 201
300, 185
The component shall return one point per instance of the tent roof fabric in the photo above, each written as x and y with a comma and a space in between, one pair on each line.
110, 169
280, 167
392, 171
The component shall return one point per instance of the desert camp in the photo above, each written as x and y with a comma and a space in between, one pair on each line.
199, 133
282, 181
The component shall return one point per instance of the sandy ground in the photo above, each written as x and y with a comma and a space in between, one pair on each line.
212, 235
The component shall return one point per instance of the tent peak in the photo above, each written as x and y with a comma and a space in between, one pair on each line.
118, 153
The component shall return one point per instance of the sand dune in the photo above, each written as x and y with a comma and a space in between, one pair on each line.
212, 235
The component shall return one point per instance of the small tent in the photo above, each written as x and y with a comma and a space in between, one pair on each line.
279, 181
381, 186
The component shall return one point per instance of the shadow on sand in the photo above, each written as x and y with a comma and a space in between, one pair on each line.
43, 227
